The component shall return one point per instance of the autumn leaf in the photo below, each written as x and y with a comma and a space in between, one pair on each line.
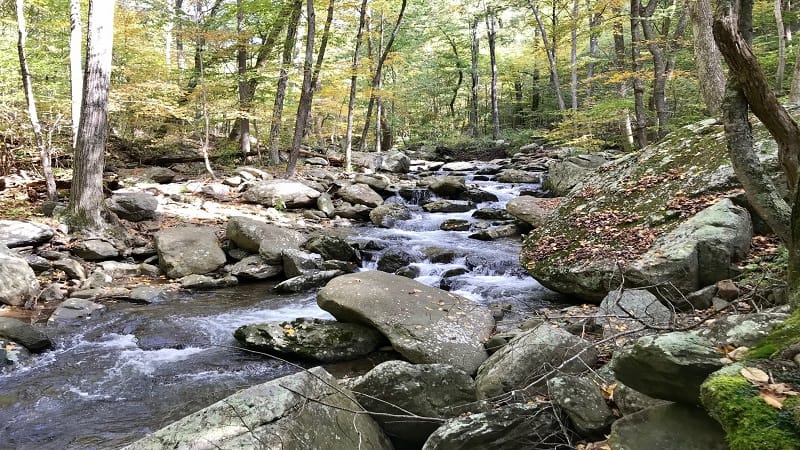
771, 399
607, 391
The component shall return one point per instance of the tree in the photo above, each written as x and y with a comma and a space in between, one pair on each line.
748, 89
86, 194
710, 76
33, 115
491, 33
551, 55
306, 92
75, 67
474, 74
351, 103
283, 80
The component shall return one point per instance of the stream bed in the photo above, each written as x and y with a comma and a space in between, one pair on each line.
138, 368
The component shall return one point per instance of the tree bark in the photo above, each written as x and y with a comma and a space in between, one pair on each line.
551, 56
708, 61
490, 38
660, 68
86, 194
595, 21
244, 88
573, 58
473, 104
379, 73
283, 80
781, 69
33, 115
75, 66
460, 76
748, 86
351, 103
306, 92
640, 128
619, 61
180, 55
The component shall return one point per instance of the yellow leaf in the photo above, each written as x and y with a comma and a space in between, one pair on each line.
755, 375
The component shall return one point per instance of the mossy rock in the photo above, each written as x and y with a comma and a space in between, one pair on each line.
749, 422
782, 337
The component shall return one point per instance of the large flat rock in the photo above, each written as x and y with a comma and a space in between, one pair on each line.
425, 324
18, 282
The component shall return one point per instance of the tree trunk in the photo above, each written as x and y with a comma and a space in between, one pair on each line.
180, 55
619, 61
748, 85
710, 75
551, 56
306, 92
779, 74
640, 129
660, 68
283, 80
794, 94
379, 73
203, 92
244, 87
459, 80
33, 115
351, 103
473, 104
75, 66
595, 20
573, 58
86, 194
490, 37
378, 95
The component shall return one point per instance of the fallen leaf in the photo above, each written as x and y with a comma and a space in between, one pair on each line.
771, 399
755, 375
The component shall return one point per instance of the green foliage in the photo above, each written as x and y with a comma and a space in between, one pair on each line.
750, 424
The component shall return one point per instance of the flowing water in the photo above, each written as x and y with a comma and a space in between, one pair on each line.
140, 367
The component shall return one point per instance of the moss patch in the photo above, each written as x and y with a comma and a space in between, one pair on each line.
750, 424
780, 338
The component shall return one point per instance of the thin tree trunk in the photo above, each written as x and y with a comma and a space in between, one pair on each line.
551, 56
473, 104
573, 58
779, 74
306, 92
180, 55
379, 73
660, 67
86, 194
595, 20
460, 79
351, 104
244, 87
33, 115
708, 61
490, 37
378, 98
203, 93
283, 80
619, 60
75, 66
640, 129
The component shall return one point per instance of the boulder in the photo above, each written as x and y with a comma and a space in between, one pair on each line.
427, 390
12, 355
630, 401
493, 233
74, 310
332, 247
387, 214
513, 427
563, 175
307, 281
396, 162
584, 404
133, 206
532, 210
311, 339
15, 233
377, 182
696, 253
95, 250
455, 225
360, 194
478, 196
448, 187
532, 356
460, 166
740, 329
325, 204
204, 282
668, 427
670, 366
393, 259
347, 210
629, 309
255, 267
147, 294
424, 324
249, 234
307, 410
281, 193
24, 334
518, 176
448, 206
161, 175
188, 250
493, 214
298, 262
71, 268
18, 283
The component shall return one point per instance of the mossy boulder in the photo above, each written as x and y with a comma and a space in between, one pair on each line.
749, 422
629, 214
783, 337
